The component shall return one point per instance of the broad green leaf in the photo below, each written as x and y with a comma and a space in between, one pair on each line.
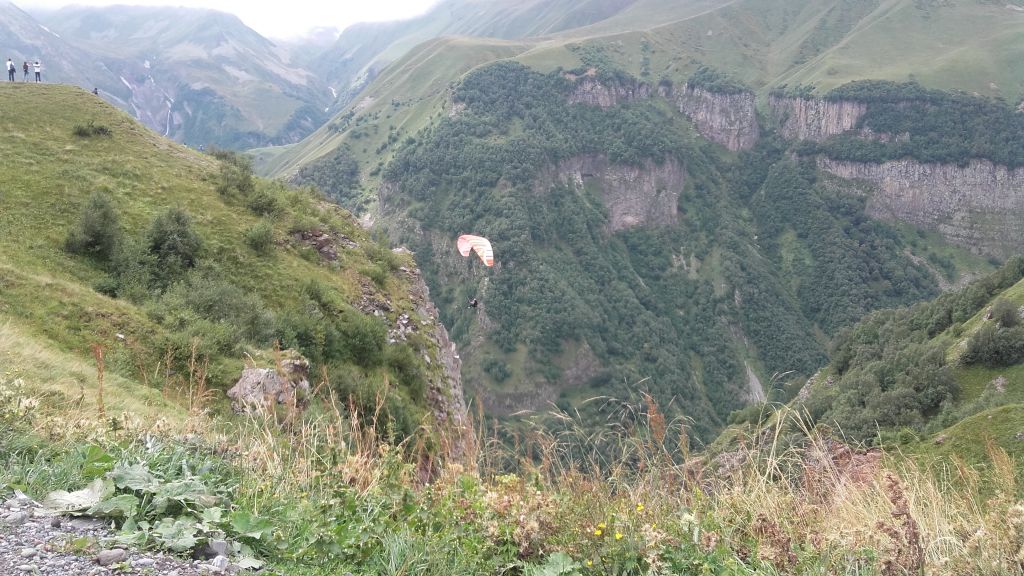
97, 461
123, 506
248, 526
557, 564
79, 500
177, 534
213, 515
134, 477
187, 492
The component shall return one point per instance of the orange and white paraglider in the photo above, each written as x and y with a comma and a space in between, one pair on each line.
478, 244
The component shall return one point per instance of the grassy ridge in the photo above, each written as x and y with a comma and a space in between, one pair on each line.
51, 294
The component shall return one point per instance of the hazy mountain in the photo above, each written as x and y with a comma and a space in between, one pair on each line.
197, 76
363, 50
23, 38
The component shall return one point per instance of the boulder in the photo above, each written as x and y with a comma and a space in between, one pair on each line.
260, 387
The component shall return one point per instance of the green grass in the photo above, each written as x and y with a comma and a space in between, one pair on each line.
51, 173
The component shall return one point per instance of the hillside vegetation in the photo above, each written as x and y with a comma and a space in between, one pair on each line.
764, 262
117, 238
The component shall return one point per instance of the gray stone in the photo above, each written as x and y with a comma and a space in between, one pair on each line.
144, 563
55, 523
28, 553
220, 563
16, 518
114, 556
88, 524
27, 568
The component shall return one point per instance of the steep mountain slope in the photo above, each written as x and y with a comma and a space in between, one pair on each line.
363, 50
943, 378
180, 265
632, 251
197, 76
582, 164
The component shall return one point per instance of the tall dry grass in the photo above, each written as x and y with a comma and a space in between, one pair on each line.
788, 495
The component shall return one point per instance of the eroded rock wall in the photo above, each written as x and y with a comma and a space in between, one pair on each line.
593, 92
979, 206
646, 195
728, 119
814, 119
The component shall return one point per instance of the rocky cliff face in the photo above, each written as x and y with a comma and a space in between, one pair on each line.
728, 119
979, 206
444, 390
814, 119
593, 92
644, 195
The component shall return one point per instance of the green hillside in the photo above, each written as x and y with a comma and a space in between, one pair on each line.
764, 263
114, 236
935, 371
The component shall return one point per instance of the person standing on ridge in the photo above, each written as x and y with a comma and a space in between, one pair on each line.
24, 67
10, 70
38, 68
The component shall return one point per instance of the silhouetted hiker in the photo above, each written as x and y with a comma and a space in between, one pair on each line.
96, 91
474, 303
38, 68
10, 70
24, 67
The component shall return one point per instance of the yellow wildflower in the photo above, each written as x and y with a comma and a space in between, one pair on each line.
598, 532
601, 525
618, 535
640, 507
590, 563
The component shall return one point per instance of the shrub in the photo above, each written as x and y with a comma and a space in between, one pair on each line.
235, 174
260, 237
263, 203
97, 232
173, 241
1005, 313
994, 346
90, 129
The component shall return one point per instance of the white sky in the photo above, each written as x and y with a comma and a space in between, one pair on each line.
278, 18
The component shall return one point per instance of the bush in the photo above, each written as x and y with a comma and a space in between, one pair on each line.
995, 347
260, 237
90, 129
235, 174
173, 241
97, 232
1005, 313
263, 203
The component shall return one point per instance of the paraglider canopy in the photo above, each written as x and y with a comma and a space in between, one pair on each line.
478, 244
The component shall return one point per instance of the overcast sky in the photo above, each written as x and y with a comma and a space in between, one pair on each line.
280, 18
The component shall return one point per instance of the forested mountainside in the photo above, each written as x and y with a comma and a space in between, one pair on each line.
628, 235
624, 237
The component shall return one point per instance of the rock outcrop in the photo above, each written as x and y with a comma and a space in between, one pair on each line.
814, 119
593, 92
979, 206
444, 382
287, 384
646, 195
728, 119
